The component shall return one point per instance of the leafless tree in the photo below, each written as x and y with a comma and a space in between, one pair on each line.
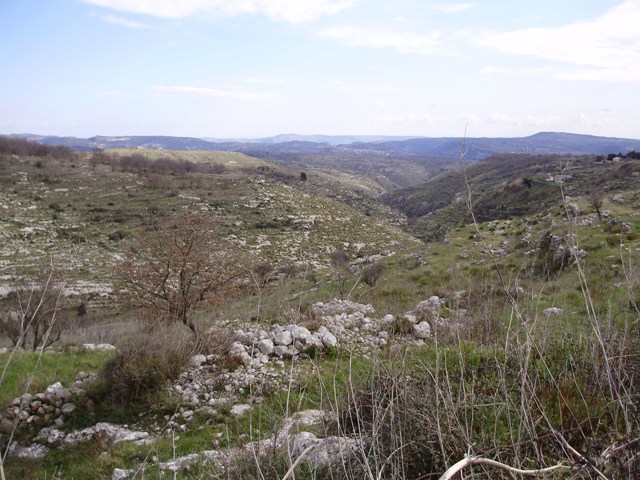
34, 314
595, 199
179, 267
340, 263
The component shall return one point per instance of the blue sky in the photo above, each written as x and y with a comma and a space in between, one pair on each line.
253, 68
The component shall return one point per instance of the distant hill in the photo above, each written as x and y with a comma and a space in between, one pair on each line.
546, 143
329, 139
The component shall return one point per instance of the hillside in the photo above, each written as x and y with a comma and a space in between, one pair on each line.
506, 186
80, 213
343, 342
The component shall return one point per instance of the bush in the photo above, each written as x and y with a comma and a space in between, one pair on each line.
56, 207
401, 326
371, 273
142, 368
146, 366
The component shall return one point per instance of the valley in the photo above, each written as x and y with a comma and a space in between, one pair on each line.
394, 310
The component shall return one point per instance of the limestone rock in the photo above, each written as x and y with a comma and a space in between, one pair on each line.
197, 360
265, 346
283, 338
422, 330
239, 410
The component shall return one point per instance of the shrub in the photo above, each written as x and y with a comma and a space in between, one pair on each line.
142, 368
56, 207
401, 326
145, 366
371, 273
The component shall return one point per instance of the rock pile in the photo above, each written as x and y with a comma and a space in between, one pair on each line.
45, 408
212, 387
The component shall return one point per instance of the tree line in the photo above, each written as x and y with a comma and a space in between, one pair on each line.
138, 163
24, 147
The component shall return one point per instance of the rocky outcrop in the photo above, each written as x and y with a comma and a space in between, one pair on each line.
292, 439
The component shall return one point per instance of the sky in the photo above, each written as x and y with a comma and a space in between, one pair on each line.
257, 68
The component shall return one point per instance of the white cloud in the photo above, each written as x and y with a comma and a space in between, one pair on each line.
294, 11
206, 92
452, 7
606, 48
402, 42
123, 22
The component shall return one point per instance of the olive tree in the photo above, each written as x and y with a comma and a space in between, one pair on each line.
178, 267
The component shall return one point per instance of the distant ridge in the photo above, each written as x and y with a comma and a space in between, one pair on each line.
476, 148
543, 143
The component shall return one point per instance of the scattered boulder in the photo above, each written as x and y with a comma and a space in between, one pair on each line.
422, 330
198, 360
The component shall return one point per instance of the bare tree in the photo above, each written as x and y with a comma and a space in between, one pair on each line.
595, 199
34, 314
340, 263
180, 267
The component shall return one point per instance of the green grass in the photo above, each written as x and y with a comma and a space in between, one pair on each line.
33, 372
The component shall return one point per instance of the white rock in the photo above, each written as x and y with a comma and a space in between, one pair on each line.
411, 317
53, 388
68, 408
552, 311
34, 452
238, 351
197, 360
237, 348
313, 341
283, 338
388, 319
422, 330
239, 410
105, 347
329, 340
265, 346
121, 474
287, 352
